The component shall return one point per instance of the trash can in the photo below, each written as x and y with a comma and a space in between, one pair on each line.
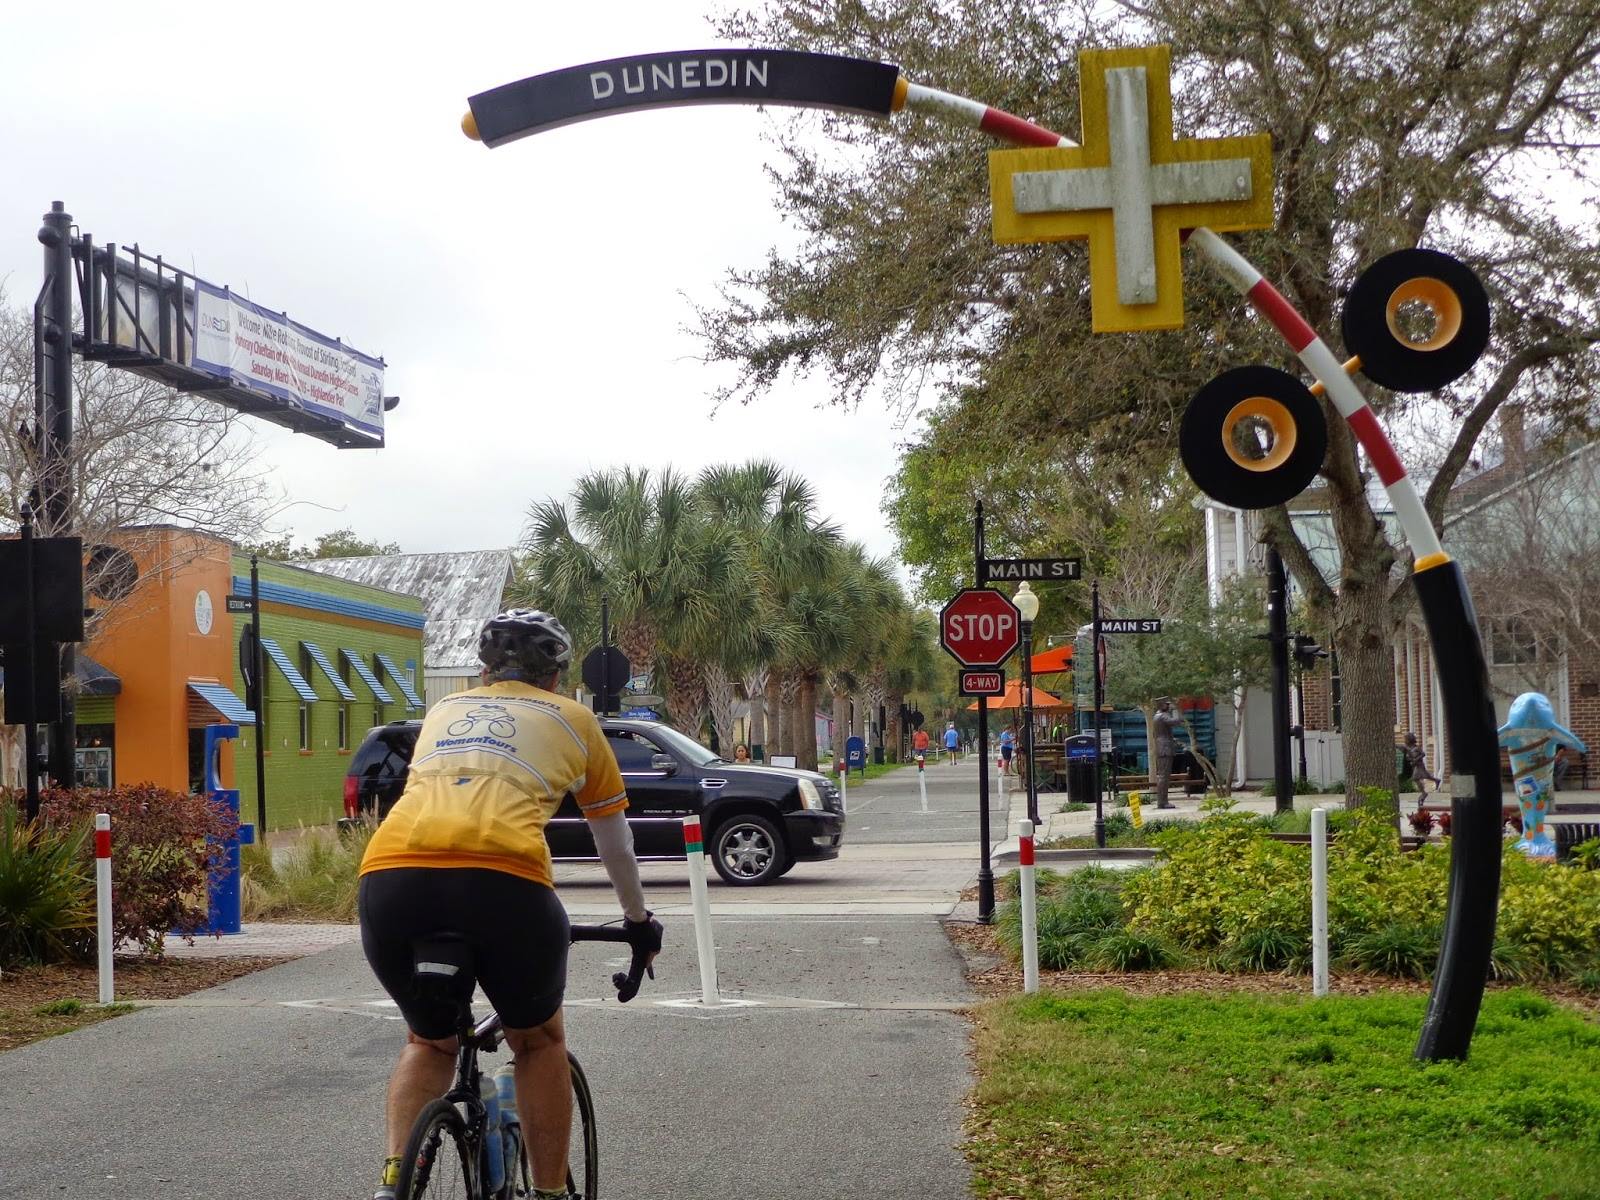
1083, 768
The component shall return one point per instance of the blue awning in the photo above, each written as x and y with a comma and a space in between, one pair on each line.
401, 681
367, 677
224, 701
321, 659
296, 680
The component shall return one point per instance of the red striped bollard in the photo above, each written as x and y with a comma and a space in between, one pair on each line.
102, 903
1030, 914
694, 847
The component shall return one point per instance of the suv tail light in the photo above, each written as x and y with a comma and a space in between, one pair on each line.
352, 797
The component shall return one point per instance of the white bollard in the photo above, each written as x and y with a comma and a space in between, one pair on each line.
844, 787
922, 782
704, 945
1319, 902
102, 903
1030, 913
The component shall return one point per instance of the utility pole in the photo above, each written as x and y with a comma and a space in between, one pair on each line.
53, 407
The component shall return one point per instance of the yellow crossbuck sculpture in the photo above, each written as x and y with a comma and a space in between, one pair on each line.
1131, 188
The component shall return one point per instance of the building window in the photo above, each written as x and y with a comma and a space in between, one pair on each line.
1514, 642
305, 727
1336, 693
344, 726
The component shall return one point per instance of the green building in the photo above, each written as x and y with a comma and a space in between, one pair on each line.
340, 657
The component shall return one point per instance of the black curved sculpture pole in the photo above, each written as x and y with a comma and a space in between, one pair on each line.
1475, 843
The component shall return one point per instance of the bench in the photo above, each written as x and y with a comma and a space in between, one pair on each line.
1570, 833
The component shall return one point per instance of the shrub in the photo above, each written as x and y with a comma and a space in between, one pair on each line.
164, 844
1403, 948
316, 879
46, 891
1128, 950
1070, 922
1587, 854
1422, 822
1073, 806
1118, 824
1267, 948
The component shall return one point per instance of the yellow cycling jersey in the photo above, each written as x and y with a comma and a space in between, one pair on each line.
490, 768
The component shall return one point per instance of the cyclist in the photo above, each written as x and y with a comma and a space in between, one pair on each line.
463, 851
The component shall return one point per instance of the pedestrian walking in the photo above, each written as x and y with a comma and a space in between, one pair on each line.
1008, 747
952, 742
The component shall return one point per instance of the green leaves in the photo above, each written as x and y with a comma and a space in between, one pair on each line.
46, 890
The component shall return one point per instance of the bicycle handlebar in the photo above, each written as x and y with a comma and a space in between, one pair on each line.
626, 982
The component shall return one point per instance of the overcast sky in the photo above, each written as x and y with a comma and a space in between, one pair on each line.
530, 301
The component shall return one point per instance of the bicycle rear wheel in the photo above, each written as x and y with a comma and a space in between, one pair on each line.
583, 1148
437, 1162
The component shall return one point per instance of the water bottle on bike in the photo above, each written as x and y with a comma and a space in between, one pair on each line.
505, 1083
494, 1152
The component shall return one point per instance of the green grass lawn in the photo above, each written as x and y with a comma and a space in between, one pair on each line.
873, 771
1100, 1093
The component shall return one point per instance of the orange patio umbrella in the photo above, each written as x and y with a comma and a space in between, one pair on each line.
1013, 698
1053, 661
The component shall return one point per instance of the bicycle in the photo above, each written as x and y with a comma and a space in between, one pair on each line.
447, 1153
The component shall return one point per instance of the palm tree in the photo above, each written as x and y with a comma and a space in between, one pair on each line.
773, 514
643, 542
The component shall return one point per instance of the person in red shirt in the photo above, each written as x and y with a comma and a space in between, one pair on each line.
919, 743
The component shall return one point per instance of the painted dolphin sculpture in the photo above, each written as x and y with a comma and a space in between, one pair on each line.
1532, 735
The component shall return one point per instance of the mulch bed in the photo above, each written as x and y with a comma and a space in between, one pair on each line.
24, 990
990, 971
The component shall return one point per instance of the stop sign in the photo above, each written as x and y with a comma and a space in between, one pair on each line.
979, 628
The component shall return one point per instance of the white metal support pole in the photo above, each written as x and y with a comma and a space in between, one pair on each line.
102, 902
704, 945
1319, 901
922, 781
1030, 919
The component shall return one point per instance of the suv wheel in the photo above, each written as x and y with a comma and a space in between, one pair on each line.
748, 850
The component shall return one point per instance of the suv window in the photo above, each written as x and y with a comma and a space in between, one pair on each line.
632, 750
385, 754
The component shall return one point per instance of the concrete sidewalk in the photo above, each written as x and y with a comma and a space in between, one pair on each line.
843, 1072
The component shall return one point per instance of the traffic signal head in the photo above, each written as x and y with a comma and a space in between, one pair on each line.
1306, 651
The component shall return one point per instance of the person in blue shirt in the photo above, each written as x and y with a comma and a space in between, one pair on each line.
952, 741
1008, 747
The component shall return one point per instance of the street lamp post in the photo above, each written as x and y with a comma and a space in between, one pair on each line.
1028, 608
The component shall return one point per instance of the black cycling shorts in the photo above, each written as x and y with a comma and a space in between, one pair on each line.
517, 929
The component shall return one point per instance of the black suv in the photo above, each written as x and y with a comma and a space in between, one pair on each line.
758, 821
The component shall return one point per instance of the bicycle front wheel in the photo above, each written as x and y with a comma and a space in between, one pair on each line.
437, 1164
583, 1148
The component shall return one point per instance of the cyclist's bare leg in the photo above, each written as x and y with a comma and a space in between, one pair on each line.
423, 1073
544, 1098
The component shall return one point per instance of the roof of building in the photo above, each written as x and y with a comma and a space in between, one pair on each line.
460, 590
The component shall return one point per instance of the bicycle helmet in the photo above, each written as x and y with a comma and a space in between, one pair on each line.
525, 639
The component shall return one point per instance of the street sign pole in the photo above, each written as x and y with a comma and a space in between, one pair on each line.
985, 871
1099, 700
256, 691
1278, 640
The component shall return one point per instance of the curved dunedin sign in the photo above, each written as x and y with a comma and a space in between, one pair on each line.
678, 77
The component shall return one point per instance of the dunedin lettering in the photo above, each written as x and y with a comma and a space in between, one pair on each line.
644, 79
